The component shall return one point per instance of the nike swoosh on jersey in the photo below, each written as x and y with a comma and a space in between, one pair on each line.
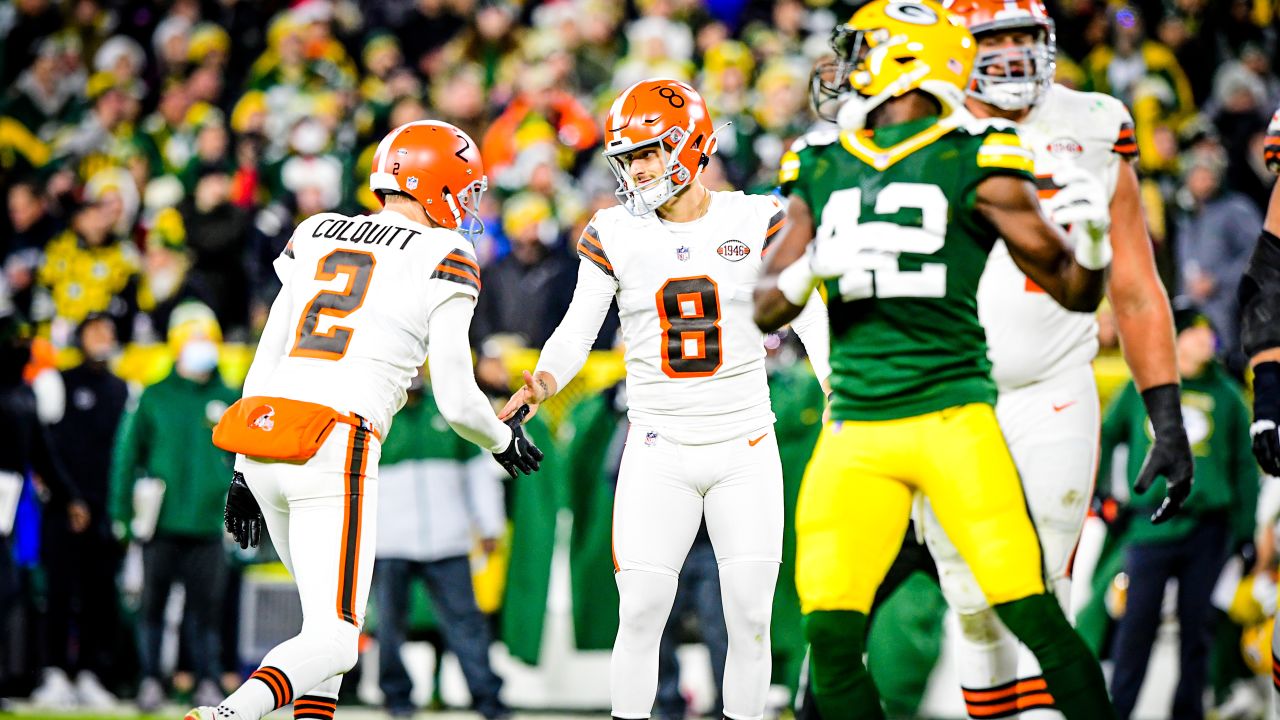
1063, 406
752, 443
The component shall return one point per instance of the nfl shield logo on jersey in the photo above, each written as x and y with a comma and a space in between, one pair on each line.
682, 253
651, 438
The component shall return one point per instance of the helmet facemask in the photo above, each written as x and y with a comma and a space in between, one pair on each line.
466, 203
1015, 78
829, 83
833, 86
644, 198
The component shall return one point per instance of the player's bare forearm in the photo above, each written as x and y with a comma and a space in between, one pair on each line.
537, 388
545, 383
773, 310
1036, 245
1143, 317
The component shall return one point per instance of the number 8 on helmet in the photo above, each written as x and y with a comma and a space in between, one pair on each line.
666, 113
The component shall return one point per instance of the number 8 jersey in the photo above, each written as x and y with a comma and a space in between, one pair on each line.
905, 336
694, 357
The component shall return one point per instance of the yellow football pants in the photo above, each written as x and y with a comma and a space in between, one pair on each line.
855, 503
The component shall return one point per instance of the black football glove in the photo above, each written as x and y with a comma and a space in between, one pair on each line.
1170, 453
1266, 416
242, 516
521, 456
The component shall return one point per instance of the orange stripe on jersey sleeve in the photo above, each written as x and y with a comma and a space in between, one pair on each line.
591, 248
771, 234
1126, 144
458, 266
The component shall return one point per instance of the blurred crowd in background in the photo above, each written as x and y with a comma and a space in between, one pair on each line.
154, 152
155, 156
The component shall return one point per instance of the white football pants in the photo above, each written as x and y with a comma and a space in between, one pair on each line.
321, 516
664, 491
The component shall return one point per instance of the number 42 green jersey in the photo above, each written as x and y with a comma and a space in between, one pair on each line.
905, 336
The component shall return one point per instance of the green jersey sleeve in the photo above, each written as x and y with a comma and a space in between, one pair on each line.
797, 164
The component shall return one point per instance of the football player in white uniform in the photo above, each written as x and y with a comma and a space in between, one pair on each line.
364, 300
1041, 353
682, 262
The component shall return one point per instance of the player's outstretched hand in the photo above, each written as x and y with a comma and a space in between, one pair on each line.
529, 396
521, 456
242, 516
1170, 453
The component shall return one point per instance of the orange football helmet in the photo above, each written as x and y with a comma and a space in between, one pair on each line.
436, 164
1010, 78
666, 113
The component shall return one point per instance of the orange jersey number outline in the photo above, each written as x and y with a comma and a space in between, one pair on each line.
689, 310
357, 266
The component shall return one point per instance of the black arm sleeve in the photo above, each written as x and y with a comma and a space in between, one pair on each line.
1260, 297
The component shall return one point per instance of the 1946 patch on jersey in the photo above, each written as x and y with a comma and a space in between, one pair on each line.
1065, 147
733, 250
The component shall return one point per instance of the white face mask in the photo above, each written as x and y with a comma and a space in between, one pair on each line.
198, 357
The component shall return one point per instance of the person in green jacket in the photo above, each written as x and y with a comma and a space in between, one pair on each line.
169, 436
1193, 546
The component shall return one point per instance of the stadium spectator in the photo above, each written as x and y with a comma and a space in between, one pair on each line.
539, 112
215, 232
1214, 230
41, 98
1146, 75
31, 227
529, 289
81, 567
1193, 546
87, 270
28, 448
106, 136
439, 498
169, 436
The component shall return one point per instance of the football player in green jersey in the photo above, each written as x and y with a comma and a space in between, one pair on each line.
905, 202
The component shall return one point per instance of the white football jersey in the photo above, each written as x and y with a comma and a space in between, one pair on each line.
694, 356
1029, 335
357, 296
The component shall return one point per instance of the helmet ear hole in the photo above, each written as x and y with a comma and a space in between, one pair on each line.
697, 142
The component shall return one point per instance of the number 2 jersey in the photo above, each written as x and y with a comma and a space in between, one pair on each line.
694, 356
1031, 336
349, 327
908, 342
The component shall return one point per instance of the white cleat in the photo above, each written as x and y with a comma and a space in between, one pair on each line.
55, 692
207, 712
92, 694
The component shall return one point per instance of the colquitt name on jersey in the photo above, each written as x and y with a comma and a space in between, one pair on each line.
367, 232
